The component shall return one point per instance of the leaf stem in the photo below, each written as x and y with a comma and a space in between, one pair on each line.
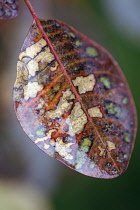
33, 13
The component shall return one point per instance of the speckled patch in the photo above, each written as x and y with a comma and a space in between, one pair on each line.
33, 50
125, 100
84, 83
114, 109
106, 81
64, 149
54, 67
31, 90
62, 106
22, 74
48, 136
91, 51
111, 145
102, 150
81, 154
76, 120
95, 112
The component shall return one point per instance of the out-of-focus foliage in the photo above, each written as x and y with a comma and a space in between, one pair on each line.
16, 196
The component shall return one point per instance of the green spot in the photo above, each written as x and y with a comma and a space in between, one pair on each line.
57, 87
106, 82
125, 156
81, 155
57, 24
31, 135
126, 137
119, 160
131, 123
41, 131
125, 100
108, 166
30, 110
51, 95
113, 109
91, 51
92, 164
86, 143
50, 152
78, 43
108, 128
71, 34
80, 158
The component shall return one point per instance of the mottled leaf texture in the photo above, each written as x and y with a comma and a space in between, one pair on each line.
76, 107
8, 9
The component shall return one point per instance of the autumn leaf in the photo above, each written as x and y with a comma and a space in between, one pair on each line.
73, 102
8, 9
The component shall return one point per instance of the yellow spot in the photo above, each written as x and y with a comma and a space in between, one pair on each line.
52, 142
32, 67
85, 83
46, 146
41, 111
95, 112
33, 50
22, 74
45, 56
76, 120
111, 145
49, 123
33, 55
62, 106
101, 151
91, 51
48, 136
41, 139
40, 105
53, 68
31, 90
63, 148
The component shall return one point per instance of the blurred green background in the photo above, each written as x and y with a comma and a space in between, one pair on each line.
26, 173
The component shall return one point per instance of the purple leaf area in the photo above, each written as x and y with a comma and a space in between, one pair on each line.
73, 101
8, 9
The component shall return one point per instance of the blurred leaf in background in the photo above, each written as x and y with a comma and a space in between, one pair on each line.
17, 196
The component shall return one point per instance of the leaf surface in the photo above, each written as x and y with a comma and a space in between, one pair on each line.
8, 9
73, 101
